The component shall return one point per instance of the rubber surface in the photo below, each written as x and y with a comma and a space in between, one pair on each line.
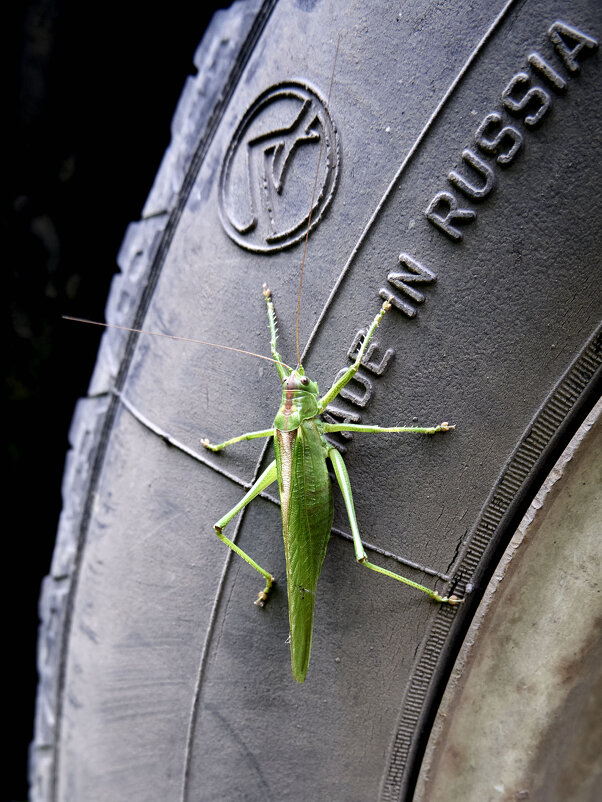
459, 175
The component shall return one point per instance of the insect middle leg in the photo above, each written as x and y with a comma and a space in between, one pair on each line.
343, 479
265, 480
246, 436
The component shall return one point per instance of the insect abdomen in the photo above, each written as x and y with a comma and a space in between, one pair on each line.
307, 511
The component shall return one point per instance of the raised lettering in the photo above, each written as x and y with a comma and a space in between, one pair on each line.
333, 414
472, 190
490, 138
555, 79
378, 368
520, 97
536, 97
352, 395
415, 274
569, 42
442, 211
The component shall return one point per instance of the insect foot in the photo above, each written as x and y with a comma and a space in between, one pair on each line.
264, 595
443, 427
205, 442
453, 599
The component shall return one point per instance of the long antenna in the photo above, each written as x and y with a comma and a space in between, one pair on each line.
173, 337
313, 196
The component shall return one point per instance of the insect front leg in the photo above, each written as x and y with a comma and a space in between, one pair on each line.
265, 480
283, 373
350, 373
360, 555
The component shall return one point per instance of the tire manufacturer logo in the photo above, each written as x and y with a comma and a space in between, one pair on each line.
269, 171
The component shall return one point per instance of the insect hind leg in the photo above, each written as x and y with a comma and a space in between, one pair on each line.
265, 480
340, 470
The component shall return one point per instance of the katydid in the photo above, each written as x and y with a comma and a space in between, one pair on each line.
305, 489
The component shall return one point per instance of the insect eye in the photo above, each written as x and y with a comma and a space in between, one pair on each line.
305, 381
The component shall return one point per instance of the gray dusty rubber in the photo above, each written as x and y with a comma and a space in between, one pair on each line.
460, 175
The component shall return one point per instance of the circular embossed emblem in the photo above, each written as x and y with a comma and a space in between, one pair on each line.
269, 171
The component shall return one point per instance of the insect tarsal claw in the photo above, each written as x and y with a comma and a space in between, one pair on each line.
264, 594
261, 599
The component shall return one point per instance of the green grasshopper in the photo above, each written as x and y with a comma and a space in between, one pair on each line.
305, 489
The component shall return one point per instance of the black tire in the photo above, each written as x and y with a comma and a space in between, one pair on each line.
159, 679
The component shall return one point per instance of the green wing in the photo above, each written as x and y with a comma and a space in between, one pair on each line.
307, 510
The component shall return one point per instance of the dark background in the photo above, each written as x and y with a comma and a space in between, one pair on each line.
90, 91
